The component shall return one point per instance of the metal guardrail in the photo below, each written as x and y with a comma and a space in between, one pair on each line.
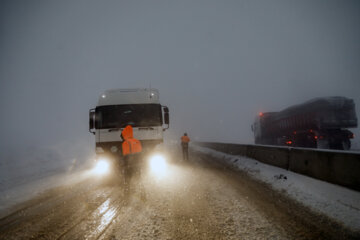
342, 168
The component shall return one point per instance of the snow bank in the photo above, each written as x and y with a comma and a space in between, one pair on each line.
336, 202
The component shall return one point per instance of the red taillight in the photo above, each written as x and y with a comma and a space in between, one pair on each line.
316, 137
261, 114
289, 142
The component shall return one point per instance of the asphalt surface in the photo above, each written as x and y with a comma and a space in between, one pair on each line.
199, 199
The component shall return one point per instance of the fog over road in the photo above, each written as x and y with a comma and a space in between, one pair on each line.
196, 200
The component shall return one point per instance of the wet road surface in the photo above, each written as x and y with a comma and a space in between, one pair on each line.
195, 200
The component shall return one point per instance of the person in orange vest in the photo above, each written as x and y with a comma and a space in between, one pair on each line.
131, 150
185, 146
130, 144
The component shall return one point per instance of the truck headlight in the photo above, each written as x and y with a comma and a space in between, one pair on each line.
158, 165
102, 167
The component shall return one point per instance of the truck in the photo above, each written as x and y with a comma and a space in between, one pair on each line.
317, 123
117, 108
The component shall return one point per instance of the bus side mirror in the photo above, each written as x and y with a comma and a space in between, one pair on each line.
92, 121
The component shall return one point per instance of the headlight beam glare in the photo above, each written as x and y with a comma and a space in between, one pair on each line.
101, 167
158, 165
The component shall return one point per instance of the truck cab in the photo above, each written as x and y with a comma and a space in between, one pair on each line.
118, 108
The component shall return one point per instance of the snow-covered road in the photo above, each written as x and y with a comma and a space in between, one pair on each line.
336, 202
196, 200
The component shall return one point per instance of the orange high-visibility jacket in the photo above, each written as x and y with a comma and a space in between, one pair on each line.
130, 144
185, 139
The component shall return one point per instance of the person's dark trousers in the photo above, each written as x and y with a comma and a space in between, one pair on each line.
133, 164
185, 150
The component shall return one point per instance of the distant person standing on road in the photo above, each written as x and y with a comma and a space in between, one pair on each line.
185, 146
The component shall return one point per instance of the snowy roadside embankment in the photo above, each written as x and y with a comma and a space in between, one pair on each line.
26, 173
336, 202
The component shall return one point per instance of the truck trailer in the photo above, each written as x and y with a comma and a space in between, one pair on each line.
117, 108
317, 123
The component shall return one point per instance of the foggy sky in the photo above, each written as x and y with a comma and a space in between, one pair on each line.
216, 63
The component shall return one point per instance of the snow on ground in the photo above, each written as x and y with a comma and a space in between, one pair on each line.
339, 203
24, 173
